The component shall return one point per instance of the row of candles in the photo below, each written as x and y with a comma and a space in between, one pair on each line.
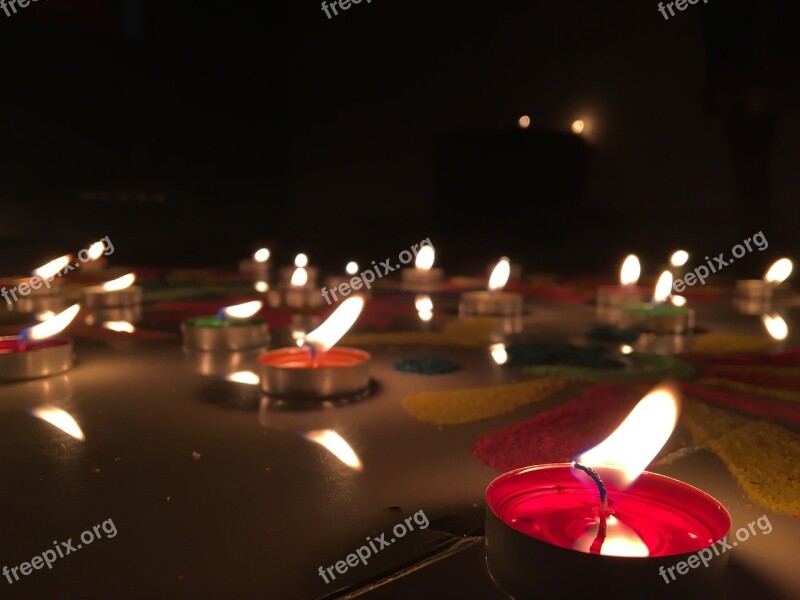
601, 515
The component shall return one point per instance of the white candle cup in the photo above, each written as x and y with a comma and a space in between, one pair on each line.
421, 280
489, 303
758, 290
296, 297
620, 296
250, 267
98, 297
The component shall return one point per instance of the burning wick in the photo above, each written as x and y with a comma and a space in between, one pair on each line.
602, 512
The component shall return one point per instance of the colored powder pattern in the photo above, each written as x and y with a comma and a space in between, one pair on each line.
761, 456
426, 365
647, 368
558, 434
737, 386
770, 380
728, 342
472, 333
788, 358
758, 407
779, 371
465, 406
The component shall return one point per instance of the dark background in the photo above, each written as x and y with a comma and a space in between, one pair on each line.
191, 132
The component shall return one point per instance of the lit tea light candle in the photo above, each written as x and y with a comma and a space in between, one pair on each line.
627, 293
299, 294
233, 328
659, 316
423, 277
35, 352
341, 287
424, 306
256, 266
300, 262
773, 286
316, 369
602, 521
493, 301
40, 291
117, 292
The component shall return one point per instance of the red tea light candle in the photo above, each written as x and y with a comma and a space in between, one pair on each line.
494, 301
773, 286
601, 524
257, 266
316, 369
233, 328
423, 277
627, 293
117, 292
36, 352
659, 316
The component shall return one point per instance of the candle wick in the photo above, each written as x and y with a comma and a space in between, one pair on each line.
601, 487
602, 512
221, 314
312, 349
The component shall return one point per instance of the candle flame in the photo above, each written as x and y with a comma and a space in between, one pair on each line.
52, 326
578, 125
336, 445
120, 326
779, 272
500, 275
679, 258
243, 311
246, 377
120, 283
324, 337
679, 300
261, 255
96, 250
299, 277
61, 419
499, 353
301, 261
631, 270
424, 306
775, 326
52, 268
261, 286
44, 315
425, 258
351, 268
639, 438
663, 288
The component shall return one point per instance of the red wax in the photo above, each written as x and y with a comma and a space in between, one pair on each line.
8, 346
300, 358
625, 289
654, 516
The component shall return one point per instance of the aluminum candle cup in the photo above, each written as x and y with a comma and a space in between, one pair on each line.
33, 359
212, 334
662, 319
298, 297
758, 290
97, 297
505, 304
538, 516
291, 373
221, 363
620, 296
421, 280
